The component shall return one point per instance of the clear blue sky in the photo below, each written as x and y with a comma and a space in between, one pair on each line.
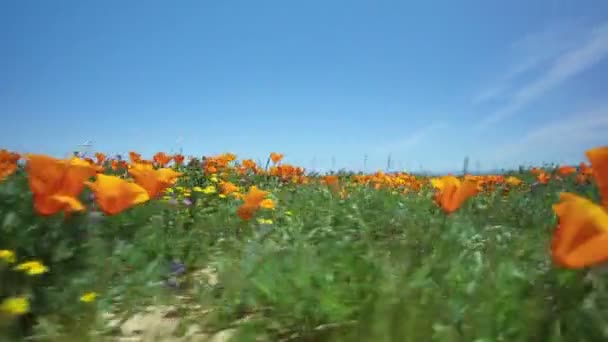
430, 82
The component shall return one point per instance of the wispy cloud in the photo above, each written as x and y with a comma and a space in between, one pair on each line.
530, 53
413, 139
564, 62
562, 138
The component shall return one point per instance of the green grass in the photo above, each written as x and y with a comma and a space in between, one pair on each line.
377, 266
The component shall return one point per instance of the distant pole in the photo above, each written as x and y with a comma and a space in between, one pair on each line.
465, 166
388, 163
477, 167
84, 148
333, 163
365, 163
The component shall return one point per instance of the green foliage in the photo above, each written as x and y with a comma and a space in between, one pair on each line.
375, 266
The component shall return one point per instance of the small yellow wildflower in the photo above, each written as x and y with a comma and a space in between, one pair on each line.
15, 306
167, 198
7, 255
209, 189
264, 221
213, 178
222, 196
88, 297
169, 190
32, 267
267, 204
197, 189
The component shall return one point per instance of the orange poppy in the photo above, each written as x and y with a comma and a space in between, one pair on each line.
452, 193
543, 178
57, 183
253, 199
154, 181
581, 237
276, 157
114, 195
565, 170
179, 159
100, 158
162, 159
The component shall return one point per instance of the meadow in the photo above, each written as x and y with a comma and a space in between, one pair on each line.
218, 249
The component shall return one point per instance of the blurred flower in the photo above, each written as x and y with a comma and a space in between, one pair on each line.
252, 202
210, 189
276, 157
88, 297
162, 159
264, 221
15, 306
581, 237
514, 181
154, 181
7, 256
56, 183
267, 204
34, 267
114, 194
452, 193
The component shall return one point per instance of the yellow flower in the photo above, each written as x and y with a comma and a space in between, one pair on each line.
32, 267
180, 188
213, 178
7, 255
167, 198
267, 204
264, 221
222, 196
169, 190
197, 189
15, 306
88, 297
209, 189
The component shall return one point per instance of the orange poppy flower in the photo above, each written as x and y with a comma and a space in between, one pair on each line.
565, 170
179, 159
7, 169
228, 188
57, 183
276, 157
162, 159
585, 170
8, 163
134, 157
154, 181
253, 199
100, 158
514, 181
543, 178
581, 238
114, 195
452, 193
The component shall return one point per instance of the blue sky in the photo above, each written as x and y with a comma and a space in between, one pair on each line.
429, 82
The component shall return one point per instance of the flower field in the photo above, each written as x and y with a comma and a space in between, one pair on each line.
217, 249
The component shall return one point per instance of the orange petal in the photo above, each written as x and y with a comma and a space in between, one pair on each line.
114, 194
50, 205
580, 222
599, 163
